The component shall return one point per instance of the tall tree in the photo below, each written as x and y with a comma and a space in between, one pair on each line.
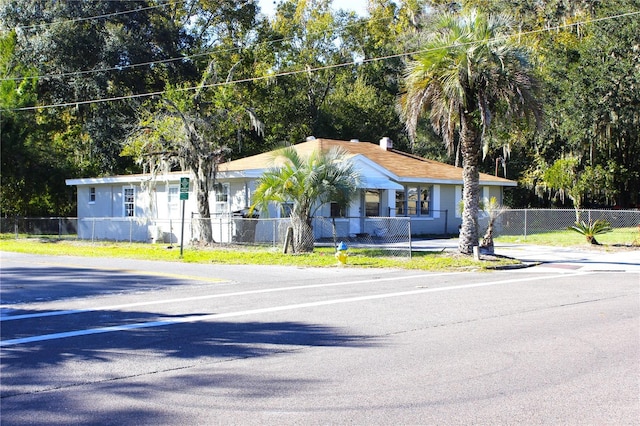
306, 44
33, 166
87, 51
192, 131
469, 72
604, 99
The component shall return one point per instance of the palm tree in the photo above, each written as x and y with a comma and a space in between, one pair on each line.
469, 71
307, 183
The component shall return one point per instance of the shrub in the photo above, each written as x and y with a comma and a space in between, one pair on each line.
591, 229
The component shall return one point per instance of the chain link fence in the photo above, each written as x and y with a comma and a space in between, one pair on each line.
536, 221
390, 235
60, 227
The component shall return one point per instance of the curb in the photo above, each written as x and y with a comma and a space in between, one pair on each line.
522, 265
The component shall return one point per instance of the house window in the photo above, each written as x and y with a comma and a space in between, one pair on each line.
418, 200
337, 210
412, 201
401, 205
221, 197
92, 194
173, 199
129, 202
372, 202
425, 201
286, 209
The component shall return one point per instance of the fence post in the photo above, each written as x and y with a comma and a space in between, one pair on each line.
525, 224
410, 241
274, 232
15, 226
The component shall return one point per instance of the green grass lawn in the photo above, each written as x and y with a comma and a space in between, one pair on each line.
566, 238
321, 257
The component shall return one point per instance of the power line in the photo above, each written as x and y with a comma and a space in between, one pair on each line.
311, 70
179, 58
89, 18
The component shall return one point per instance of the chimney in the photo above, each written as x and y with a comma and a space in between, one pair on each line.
386, 143
354, 140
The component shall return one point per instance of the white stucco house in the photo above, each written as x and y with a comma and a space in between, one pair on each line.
394, 184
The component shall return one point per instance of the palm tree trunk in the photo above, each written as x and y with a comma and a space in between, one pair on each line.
470, 145
303, 241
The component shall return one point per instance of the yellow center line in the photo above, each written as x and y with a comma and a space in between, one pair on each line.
130, 271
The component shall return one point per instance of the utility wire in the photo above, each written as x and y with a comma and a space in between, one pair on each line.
89, 18
179, 58
314, 69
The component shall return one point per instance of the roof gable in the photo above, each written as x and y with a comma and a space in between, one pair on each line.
400, 165
395, 165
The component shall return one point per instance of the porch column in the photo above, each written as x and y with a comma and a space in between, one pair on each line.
389, 203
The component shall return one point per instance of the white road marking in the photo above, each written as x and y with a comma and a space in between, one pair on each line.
195, 318
208, 296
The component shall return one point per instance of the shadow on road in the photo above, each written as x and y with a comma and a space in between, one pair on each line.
25, 366
38, 284
62, 380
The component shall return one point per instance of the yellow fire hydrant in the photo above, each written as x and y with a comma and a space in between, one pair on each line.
341, 253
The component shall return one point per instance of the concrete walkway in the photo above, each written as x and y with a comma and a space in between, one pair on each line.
597, 258
575, 258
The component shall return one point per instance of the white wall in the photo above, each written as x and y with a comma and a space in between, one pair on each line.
109, 204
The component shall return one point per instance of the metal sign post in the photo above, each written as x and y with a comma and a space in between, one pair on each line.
184, 196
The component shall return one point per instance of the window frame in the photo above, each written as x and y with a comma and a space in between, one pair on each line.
285, 209
129, 206
221, 197
401, 202
369, 204
414, 198
336, 210
92, 195
422, 200
173, 200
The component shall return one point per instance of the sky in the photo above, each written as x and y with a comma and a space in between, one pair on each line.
359, 6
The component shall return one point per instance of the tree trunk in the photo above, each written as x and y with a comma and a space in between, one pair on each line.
470, 146
203, 231
302, 235
487, 241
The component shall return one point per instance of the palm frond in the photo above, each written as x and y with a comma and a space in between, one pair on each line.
591, 229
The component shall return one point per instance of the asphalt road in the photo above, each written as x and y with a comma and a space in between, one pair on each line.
98, 341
